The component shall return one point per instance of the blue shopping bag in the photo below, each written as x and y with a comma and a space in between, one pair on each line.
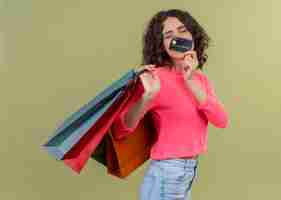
76, 126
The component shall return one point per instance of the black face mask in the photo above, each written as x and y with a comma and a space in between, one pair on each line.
181, 44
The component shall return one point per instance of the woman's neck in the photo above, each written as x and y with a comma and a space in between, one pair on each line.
177, 65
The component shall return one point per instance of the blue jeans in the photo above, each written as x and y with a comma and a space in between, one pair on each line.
168, 179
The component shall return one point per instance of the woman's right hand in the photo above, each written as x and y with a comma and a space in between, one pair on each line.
150, 81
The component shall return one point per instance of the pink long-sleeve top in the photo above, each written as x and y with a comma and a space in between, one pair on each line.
180, 120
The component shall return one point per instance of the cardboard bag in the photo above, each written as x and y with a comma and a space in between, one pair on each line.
79, 123
123, 156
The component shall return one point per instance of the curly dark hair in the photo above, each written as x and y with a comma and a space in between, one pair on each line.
153, 51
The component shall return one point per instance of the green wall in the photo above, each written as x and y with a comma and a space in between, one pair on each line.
56, 55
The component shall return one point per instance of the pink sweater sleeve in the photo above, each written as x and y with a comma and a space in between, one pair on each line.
213, 108
119, 128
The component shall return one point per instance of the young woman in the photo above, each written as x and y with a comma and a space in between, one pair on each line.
182, 101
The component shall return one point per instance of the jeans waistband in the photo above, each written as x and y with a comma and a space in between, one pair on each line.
177, 161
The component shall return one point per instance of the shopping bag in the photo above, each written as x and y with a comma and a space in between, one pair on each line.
79, 154
80, 122
123, 156
96, 143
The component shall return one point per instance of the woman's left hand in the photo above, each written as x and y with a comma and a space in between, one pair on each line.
190, 63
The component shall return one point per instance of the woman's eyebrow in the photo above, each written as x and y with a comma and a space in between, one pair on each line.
182, 26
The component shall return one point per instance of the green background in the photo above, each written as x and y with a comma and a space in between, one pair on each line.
56, 55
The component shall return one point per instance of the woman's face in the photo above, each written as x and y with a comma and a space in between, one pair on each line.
174, 28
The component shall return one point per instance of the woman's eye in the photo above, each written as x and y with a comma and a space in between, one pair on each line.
168, 36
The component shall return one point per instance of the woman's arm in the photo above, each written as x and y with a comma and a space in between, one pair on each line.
213, 108
209, 103
133, 112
